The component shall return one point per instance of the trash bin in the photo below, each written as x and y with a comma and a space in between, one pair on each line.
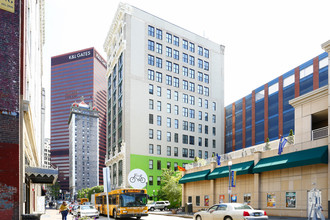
188, 208
183, 209
31, 216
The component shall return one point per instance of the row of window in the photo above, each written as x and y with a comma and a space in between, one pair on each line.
175, 40
176, 151
189, 86
158, 62
159, 76
169, 52
185, 138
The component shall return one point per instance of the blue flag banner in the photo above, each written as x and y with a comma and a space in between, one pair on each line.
233, 178
218, 159
281, 145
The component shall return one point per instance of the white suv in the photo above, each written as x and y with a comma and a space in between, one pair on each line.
161, 205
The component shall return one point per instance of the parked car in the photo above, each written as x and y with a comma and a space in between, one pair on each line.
231, 211
58, 204
161, 205
86, 210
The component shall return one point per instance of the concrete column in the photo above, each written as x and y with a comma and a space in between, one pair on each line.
256, 203
326, 46
183, 202
213, 197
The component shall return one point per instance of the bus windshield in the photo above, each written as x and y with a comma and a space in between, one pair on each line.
133, 200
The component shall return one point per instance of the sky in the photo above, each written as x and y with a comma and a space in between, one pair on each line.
263, 39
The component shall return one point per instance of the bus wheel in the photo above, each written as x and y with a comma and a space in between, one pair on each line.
139, 217
114, 214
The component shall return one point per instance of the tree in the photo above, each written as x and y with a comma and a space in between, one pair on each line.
170, 188
54, 190
87, 192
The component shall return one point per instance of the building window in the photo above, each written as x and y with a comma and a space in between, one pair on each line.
185, 57
200, 76
192, 86
176, 95
213, 143
151, 134
159, 105
200, 128
185, 44
151, 104
185, 125
206, 103
192, 47
169, 94
159, 62
185, 139
159, 165
185, 85
192, 100
176, 82
184, 152
176, 54
200, 89
206, 155
213, 118
214, 106
206, 142
168, 38
159, 48
159, 34
206, 53
151, 60
159, 150
151, 118
158, 180
206, 91
151, 31
159, 120
206, 78
175, 40
185, 112
176, 68
168, 122
176, 153
191, 153
151, 148
168, 136
288, 81
273, 88
192, 140
185, 98
206, 116
260, 95
200, 154
200, 50
176, 123
200, 102
159, 77
159, 91
159, 135
200, 63
192, 73
151, 75
168, 66
206, 65
151, 180
192, 60
198, 200
206, 129
176, 137
176, 110
200, 142
168, 80
175, 166
151, 164
168, 51
191, 113
151, 45
185, 71
168, 154
192, 126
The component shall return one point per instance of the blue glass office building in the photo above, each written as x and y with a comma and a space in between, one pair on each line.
266, 112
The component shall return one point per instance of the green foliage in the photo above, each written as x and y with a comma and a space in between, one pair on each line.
170, 188
291, 132
267, 140
87, 192
54, 190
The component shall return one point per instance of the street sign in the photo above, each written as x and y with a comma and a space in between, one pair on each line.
137, 178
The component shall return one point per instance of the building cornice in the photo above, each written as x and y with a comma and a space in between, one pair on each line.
326, 46
309, 97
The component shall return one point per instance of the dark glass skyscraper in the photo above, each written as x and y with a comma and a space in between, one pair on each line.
75, 74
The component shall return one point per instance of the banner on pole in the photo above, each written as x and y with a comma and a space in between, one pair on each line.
106, 180
233, 178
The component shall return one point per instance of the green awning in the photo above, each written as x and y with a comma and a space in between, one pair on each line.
295, 159
193, 177
240, 168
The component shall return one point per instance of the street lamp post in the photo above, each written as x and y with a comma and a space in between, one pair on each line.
229, 186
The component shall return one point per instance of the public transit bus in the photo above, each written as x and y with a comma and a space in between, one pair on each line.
123, 203
82, 200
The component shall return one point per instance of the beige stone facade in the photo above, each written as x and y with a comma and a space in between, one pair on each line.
271, 190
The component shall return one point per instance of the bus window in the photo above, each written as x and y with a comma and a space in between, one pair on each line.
133, 200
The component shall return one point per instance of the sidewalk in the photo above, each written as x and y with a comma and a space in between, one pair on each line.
53, 214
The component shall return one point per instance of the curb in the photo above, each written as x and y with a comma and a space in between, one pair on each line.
176, 215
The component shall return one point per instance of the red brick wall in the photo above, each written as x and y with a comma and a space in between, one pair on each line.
296, 83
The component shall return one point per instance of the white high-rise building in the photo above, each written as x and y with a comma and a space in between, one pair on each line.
165, 96
83, 147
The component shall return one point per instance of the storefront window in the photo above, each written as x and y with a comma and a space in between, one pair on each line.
271, 199
206, 200
247, 199
290, 198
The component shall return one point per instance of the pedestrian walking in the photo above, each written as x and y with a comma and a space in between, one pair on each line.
64, 210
